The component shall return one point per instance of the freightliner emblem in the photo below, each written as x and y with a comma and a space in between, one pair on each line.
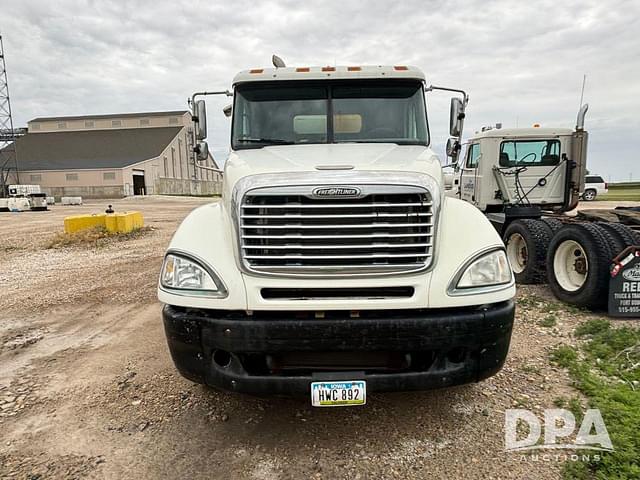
336, 192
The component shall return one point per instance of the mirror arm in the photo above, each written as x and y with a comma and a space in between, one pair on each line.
465, 101
465, 97
192, 100
194, 118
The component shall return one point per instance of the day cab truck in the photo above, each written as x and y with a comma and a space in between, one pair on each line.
333, 265
528, 182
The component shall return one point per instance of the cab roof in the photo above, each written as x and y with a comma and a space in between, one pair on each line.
522, 132
329, 72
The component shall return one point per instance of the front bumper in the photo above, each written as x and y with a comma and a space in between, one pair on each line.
440, 347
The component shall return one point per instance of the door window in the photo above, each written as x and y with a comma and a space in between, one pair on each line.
473, 156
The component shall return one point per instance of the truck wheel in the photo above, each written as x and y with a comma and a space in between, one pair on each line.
526, 242
625, 236
589, 195
553, 223
578, 265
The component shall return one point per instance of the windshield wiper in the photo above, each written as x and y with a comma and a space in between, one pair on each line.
276, 141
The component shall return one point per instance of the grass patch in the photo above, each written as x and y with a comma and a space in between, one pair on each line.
564, 356
607, 370
548, 321
93, 237
551, 307
572, 404
528, 301
575, 310
629, 192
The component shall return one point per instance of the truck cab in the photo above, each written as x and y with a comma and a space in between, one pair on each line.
334, 265
510, 167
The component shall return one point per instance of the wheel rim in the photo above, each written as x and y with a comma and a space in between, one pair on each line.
570, 265
589, 195
517, 253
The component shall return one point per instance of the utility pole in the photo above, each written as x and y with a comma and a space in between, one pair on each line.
8, 135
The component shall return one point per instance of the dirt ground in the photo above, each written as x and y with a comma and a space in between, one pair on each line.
88, 390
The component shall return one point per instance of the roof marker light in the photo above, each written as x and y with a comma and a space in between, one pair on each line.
302, 69
400, 67
328, 69
354, 69
536, 125
256, 70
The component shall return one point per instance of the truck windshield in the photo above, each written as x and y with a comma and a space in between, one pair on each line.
299, 113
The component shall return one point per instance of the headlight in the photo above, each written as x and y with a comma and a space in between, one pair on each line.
181, 273
489, 270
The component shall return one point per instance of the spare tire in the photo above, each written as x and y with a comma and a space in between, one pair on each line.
578, 265
526, 242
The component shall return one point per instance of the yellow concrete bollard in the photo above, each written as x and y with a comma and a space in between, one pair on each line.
113, 222
75, 223
124, 222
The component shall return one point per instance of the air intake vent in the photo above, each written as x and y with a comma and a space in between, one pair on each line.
297, 233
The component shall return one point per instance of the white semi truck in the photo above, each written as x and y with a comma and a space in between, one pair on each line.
334, 265
525, 180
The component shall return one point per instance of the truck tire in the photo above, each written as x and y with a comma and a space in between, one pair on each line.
526, 242
624, 234
578, 265
553, 223
589, 195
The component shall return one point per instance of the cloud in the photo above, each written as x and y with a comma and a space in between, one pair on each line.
521, 63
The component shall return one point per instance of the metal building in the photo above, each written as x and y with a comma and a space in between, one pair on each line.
107, 156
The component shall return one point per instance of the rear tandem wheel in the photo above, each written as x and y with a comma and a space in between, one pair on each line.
526, 242
578, 264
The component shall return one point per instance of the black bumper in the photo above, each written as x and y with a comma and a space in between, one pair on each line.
443, 347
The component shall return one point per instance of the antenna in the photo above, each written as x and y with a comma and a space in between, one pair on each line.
8, 135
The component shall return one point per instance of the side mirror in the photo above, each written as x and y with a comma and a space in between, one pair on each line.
456, 117
202, 151
227, 110
201, 120
453, 147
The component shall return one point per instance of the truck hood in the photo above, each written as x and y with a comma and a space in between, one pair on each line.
298, 158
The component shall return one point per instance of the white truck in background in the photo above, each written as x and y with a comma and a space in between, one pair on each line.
525, 180
334, 265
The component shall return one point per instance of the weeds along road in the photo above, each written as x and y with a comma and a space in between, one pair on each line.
87, 387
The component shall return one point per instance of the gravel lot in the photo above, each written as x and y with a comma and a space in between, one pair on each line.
87, 387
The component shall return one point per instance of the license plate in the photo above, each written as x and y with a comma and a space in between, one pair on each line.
339, 394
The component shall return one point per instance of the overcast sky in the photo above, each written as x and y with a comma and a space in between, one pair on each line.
521, 64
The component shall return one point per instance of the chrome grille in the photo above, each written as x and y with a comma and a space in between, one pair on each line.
387, 229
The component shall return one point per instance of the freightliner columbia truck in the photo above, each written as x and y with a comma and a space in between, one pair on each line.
333, 265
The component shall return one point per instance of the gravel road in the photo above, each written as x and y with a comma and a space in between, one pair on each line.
88, 390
